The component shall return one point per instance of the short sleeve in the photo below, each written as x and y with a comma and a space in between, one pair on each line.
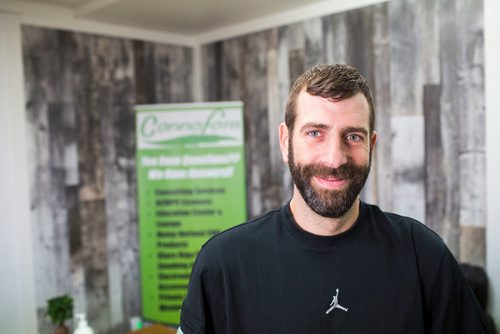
450, 304
200, 309
454, 308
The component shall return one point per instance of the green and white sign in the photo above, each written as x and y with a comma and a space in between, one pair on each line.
191, 185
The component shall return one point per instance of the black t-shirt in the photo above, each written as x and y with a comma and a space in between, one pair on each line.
386, 274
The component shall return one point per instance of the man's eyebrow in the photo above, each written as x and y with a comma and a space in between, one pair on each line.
312, 125
356, 129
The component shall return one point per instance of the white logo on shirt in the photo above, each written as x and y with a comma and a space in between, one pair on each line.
335, 304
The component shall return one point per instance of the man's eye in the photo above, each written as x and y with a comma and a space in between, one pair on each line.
313, 133
353, 137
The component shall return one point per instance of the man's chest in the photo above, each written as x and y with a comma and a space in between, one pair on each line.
343, 292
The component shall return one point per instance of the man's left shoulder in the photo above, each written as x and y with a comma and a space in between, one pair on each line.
407, 228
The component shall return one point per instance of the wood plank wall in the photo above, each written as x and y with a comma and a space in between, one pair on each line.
424, 61
80, 93
278, 56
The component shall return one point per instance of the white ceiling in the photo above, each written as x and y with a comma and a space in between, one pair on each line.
181, 22
175, 16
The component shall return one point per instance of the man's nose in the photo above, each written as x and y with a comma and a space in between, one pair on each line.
335, 153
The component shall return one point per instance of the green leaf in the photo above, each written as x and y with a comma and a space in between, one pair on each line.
60, 309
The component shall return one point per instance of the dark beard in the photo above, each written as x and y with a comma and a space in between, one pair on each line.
328, 203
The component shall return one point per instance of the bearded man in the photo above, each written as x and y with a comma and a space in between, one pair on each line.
327, 262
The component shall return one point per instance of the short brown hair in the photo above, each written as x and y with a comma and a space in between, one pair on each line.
336, 82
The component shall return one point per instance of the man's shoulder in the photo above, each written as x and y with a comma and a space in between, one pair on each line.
404, 226
247, 231
411, 238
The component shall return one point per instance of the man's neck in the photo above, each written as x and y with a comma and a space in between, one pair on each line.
313, 223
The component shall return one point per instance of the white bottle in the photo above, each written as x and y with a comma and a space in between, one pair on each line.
83, 327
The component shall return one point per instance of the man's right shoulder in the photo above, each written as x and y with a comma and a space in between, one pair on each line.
246, 232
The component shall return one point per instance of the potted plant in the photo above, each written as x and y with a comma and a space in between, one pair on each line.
59, 310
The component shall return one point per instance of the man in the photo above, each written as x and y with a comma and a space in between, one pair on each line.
278, 273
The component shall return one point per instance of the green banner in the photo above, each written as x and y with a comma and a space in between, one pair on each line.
191, 185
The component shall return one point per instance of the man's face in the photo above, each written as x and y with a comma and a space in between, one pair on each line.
329, 152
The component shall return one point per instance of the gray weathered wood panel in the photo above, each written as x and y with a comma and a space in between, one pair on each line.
472, 157
450, 121
80, 93
424, 62
406, 100
435, 174
382, 169
423, 59
359, 36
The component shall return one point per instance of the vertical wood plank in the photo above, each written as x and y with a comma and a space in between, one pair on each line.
275, 112
117, 123
211, 59
296, 63
163, 82
407, 160
405, 77
68, 50
359, 50
450, 121
181, 74
144, 73
292, 42
44, 111
284, 85
336, 40
429, 55
92, 101
472, 245
261, 196
232, 77
406, 99
314, 52
435, 175
472, 156
382, 170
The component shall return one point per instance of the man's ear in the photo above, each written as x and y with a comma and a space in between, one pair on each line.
283, 132
373, 140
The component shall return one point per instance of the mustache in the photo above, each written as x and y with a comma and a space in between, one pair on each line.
344, 171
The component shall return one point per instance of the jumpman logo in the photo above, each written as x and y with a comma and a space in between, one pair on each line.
335, 304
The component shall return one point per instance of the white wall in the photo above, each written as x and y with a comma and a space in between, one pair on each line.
17, 302
492, 83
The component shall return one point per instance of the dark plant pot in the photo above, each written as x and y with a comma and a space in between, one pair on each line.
61, 329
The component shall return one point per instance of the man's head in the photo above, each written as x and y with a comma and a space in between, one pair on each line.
335, 82
328, 137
